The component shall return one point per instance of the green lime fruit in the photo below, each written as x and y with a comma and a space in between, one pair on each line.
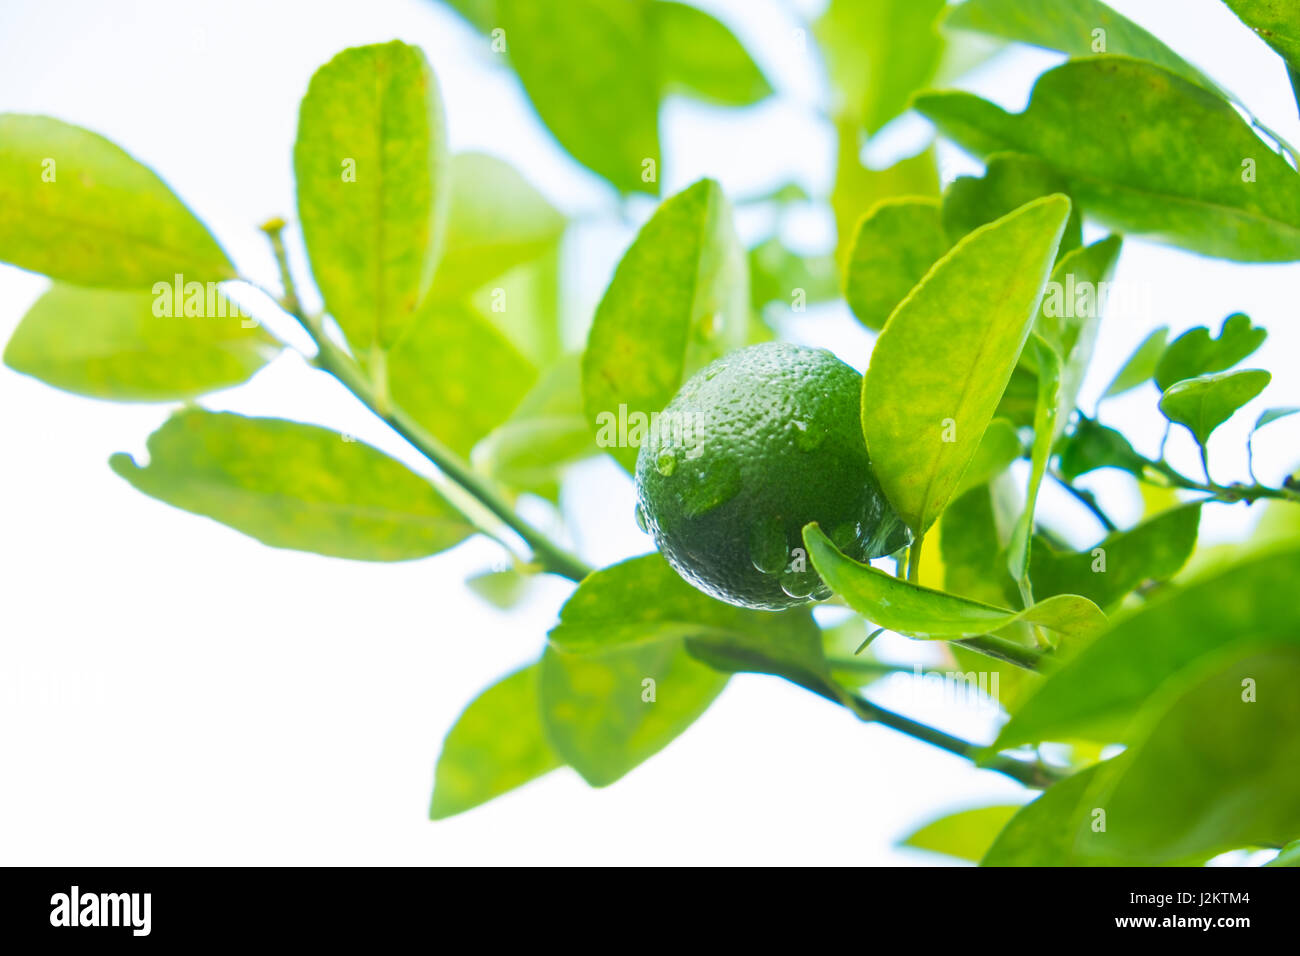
754, 447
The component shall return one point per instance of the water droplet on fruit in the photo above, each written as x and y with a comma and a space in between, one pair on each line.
807, 437
767, 546
665, 463
800, 584
713, 488
641, 521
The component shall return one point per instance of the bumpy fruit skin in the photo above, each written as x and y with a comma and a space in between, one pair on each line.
753, 447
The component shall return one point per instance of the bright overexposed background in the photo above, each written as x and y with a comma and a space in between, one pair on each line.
172, 692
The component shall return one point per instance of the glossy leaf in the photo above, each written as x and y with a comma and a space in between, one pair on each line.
878, 52
602, 716
1076, 27
1096, 693
942, 361
895, 245
679, 299
907, 608
593, 79
497, 220
1203, 404
1196, 352
495, 745
456, 374
291, 485
1155, 550
644, 601
1141, 365
373, 191
79, 209
965, 835
1092, 446
1010, 180
700, 57
111, 344
1162, 160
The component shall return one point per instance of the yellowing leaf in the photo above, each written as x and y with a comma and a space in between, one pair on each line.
371, 160
79, 209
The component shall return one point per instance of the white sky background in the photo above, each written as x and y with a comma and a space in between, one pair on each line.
171, 692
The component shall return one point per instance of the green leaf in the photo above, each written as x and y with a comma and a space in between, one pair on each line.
900, 239
607, 713
79, 209
593, 79
1066, 332
1096, 693
1270, 415
1079, 28
547, 432
1278, 24
291, 485
497, 221
503, 590
973, 550
112, 344
1289, 856
644, 601
679, 299
776, 274
1049, 375
1049, 831
1141, 365
999, 447
456, 374
1092, 446
907, 608
1203, 404
878, 52
965, 835
1195, 352
1155, 550
1162, 159
495, 745
895, 245
1009, 181
371, 164
524, 305
942, 361
1212, 762
700, 57
857, 188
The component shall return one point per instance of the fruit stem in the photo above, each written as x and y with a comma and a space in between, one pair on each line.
914, 560
332, 359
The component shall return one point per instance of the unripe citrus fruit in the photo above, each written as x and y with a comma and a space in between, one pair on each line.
755, 446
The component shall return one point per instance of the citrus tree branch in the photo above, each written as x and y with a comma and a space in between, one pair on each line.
332, 359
